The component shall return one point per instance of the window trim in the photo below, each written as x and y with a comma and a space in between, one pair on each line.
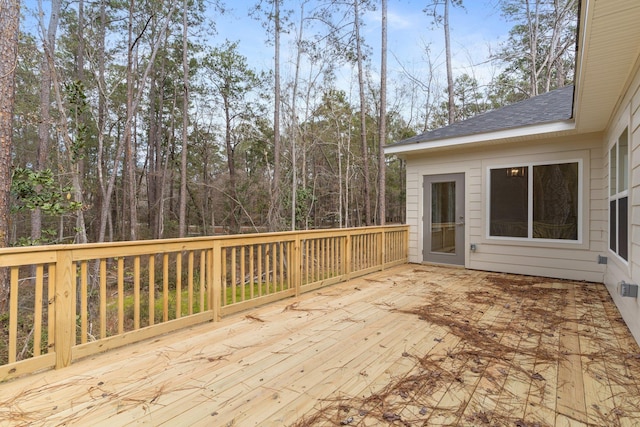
530, 165
618, 195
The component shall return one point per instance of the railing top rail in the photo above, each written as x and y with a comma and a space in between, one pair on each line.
40, 254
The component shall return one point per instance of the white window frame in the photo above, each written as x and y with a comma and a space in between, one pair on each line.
530, 166
617, 194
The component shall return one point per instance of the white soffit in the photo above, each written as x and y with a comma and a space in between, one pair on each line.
609, 45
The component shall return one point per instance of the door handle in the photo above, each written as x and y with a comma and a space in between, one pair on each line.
461, 222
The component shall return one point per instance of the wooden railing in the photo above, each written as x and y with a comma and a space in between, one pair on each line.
71, 301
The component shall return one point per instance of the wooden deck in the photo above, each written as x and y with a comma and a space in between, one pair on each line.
413, 345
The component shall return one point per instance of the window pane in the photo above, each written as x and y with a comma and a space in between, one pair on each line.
555, 201
613, 173
623, 162
443, 220
623, 231
613, 233
509, 204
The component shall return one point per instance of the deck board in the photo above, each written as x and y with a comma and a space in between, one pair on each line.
413, 344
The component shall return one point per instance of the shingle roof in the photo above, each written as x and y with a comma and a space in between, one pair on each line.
552, 106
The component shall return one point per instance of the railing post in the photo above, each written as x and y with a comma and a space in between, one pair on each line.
64, 308
216, 267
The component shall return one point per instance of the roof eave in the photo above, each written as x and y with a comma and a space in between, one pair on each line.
499, 136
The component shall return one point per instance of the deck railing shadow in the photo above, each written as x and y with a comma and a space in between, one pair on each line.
71, 301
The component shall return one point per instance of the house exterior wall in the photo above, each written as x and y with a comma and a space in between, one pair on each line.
618, 270
572, 260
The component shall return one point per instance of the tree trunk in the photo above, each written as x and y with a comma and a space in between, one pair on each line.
363, 116
185, 122
276, 203
294, 121
102, 110
45, 100
447, 46
383, 121
81, 230
532, 22
9, 19
233, 193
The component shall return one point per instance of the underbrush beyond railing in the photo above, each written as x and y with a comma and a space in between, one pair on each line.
71, 301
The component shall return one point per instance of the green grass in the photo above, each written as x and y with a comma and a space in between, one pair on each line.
267, 289
158, 305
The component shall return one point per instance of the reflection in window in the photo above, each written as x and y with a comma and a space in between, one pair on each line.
553, 210
555, 201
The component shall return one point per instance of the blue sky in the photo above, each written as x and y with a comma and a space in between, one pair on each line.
476, 29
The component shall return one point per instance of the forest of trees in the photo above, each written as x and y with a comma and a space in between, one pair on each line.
128, 123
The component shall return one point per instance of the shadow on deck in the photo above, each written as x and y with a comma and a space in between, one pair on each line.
412, 345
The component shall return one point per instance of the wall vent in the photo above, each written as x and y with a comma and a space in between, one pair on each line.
628, 289
602, 259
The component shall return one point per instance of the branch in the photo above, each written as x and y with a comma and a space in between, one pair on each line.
142, 32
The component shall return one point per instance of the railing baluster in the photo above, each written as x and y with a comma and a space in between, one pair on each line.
165, 287
83, 302
152, 289
13, 314
217, 265
51, 320
190, 282
37, 314
281, 256
136, 293
103, 298
234, 275
260, 247
203, 277
242, 272
223, 260
274, 267
120, 295
251, 266
267, 267
179, 284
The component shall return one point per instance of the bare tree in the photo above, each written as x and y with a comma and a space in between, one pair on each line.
109, 186
276, 203
44, 126
363, 113
294, 118
383, 120
443, 19
232, 81
130, 181
539, 50
185, 123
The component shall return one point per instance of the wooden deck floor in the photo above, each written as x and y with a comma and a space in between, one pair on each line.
414, 345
